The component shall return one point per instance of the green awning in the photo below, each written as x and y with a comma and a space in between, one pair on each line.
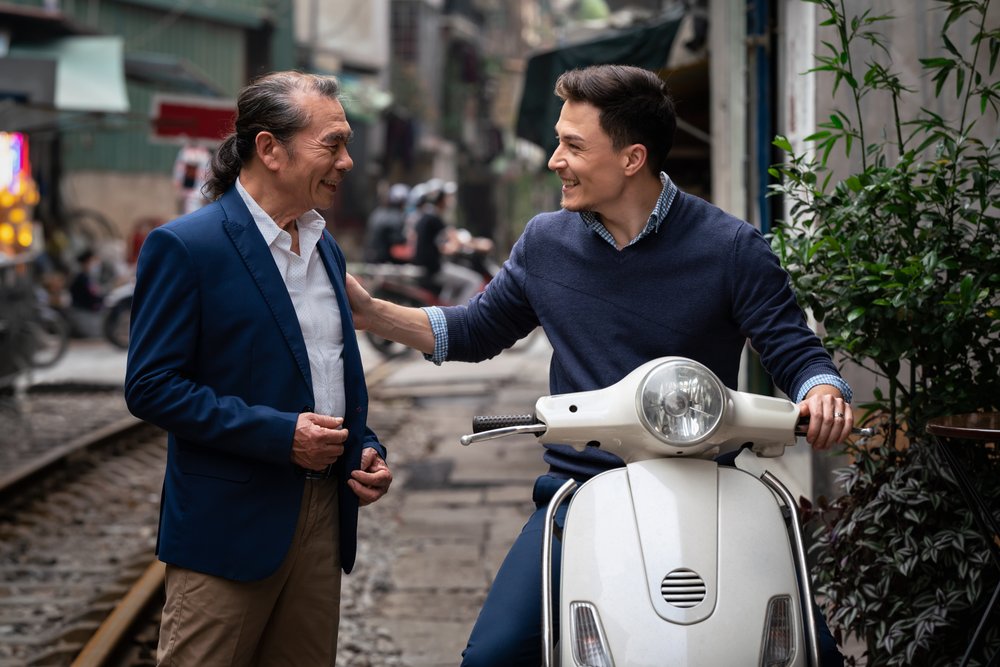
645, 46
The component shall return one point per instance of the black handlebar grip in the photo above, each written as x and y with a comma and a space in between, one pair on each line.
802, 427
490, 422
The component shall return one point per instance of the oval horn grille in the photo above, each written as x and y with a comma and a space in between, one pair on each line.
683, 588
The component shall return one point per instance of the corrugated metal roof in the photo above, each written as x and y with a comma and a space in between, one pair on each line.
242, 13
169, 72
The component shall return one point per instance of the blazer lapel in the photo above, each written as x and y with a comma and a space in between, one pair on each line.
352, 355
260, 264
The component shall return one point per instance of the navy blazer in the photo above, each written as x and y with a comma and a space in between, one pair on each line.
217, 360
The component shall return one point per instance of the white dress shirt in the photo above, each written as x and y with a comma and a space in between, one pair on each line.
314, 300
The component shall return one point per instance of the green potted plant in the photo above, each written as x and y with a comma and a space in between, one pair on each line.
899, 261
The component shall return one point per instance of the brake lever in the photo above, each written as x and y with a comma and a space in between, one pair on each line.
531, 429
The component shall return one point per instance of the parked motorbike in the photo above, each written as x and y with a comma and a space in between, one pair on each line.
118, 314
673, 559
48, 330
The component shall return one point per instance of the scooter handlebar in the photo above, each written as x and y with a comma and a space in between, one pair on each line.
499, 426
802, 427
482, 423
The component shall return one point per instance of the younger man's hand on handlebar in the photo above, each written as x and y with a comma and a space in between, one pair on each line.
830, 417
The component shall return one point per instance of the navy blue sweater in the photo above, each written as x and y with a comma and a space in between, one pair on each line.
697, 288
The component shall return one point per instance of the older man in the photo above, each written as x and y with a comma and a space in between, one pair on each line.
243, 350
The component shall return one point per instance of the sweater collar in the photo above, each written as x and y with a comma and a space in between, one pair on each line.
663, 203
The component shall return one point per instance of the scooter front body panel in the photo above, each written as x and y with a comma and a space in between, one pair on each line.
636, 538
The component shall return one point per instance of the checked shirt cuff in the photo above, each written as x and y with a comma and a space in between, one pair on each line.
439, 326
826, 378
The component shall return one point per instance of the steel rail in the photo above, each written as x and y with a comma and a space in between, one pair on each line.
16, 478
116, 628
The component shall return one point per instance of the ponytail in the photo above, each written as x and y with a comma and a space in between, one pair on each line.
226, 165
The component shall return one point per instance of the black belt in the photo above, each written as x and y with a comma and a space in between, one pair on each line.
325, 473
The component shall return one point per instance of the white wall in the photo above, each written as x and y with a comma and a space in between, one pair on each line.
122, 197
729, 113
347, 32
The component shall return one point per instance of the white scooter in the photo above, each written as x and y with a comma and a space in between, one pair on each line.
673, 559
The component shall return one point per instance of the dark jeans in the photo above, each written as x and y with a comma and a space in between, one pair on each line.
508, 632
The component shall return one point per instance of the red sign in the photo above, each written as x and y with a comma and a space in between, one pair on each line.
181, 119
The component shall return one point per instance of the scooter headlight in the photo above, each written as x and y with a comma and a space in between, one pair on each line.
681, 402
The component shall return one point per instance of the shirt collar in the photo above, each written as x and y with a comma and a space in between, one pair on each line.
311, 225
659, 213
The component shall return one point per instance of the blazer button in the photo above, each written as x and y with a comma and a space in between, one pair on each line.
307, 408
358, 409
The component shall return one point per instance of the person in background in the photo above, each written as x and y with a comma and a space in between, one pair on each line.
630, 269
85, 290
86, 296
437, 245
192, 168
243, 349
386, 226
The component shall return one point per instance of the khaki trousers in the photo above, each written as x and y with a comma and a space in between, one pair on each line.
289, 618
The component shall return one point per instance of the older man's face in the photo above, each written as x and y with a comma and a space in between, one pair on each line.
318, 158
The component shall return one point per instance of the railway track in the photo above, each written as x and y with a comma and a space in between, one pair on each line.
77, 529
79, 581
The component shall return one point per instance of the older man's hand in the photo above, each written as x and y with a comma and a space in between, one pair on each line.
319, 440
372, 481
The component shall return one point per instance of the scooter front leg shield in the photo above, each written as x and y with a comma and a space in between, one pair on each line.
680, 558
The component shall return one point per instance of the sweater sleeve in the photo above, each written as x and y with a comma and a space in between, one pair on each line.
767, 312
497, 317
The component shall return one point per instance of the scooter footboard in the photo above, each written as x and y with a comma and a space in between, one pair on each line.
678, 562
